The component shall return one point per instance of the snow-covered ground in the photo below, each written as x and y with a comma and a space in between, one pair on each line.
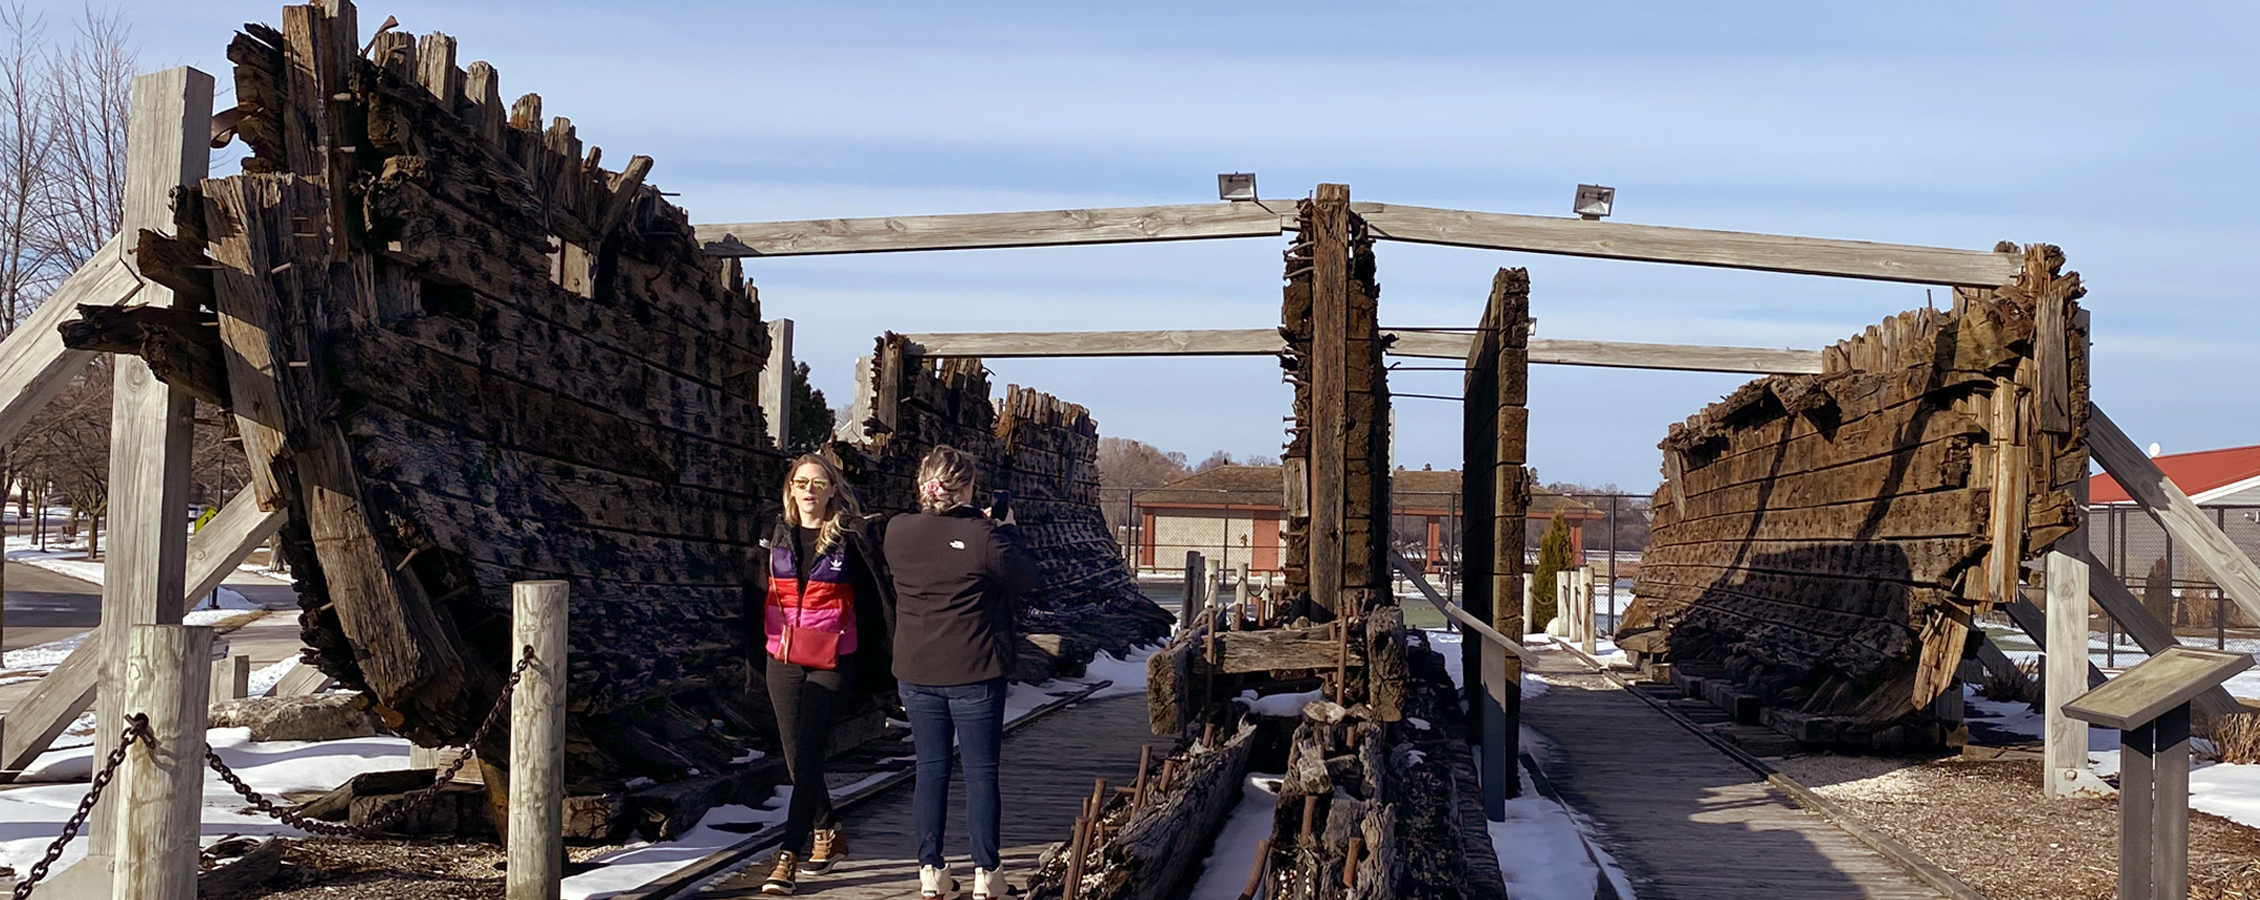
32, 814
1541, 844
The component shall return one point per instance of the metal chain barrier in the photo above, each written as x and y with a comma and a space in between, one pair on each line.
137, 729
410, 802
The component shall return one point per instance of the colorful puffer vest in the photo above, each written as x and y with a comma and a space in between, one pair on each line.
827, 605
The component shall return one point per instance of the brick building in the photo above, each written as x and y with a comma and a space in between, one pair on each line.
1233, 514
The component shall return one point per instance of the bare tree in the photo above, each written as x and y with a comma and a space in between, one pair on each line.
26, 142
92, 81
68, 444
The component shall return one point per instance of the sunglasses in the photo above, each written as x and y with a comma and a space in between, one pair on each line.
811, 484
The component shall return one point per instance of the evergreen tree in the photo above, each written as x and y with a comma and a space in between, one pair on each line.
1553, 557
812, 421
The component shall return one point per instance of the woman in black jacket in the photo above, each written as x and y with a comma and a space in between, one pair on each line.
824, 633
958, 577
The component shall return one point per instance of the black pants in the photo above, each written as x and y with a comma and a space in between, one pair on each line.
806, 700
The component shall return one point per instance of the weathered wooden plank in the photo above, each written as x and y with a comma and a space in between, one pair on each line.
455, 247
41, 716
1651, 243
1329, 227
1276, 648
1870, 480
34, 364
1936, 514
1419, 344
1935, 452
2165, 502
494, 408
151, 423
1013, 229
215, 550
501, 341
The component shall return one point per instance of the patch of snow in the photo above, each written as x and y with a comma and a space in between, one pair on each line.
1226, 870
1418, 723
1541, 845
35, 812
1279, 704
264, 680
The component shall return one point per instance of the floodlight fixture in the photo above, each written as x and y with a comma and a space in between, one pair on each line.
1593, 201
1236, 186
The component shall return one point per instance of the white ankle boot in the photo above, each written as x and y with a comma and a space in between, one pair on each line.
934, 883
988, 884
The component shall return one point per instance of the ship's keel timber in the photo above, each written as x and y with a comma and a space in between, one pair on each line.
1822, 542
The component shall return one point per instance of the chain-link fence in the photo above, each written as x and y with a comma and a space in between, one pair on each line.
2170, 582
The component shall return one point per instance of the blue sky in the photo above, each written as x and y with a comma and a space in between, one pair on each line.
2126, 135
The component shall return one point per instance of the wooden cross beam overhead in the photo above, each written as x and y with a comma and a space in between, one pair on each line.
1432, 345
1415, 224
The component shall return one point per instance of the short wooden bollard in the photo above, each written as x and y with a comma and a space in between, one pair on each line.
231, 678
161, 783
536, 869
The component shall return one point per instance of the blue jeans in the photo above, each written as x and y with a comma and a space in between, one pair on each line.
975, 714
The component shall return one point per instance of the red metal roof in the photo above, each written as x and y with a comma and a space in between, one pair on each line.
2194, 473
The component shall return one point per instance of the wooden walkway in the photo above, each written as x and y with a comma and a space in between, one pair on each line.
1047, 770
1685, 821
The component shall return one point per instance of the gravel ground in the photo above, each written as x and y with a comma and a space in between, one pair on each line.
391, 870
1985, 822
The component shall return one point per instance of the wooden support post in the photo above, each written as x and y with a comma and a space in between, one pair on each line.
537, 744
2065, 678
777, 383
2169, 838
1329, 387
167, 139
2137, 813
1500, 768
1196, 577
231, 677
1585, 628
1240, 599
161, 783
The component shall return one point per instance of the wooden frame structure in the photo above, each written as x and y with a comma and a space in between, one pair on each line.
1962, 269
163, 565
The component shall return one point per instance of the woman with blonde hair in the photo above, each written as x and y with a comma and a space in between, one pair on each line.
824, 630
958, 576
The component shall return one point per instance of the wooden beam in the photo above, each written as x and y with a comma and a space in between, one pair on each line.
1690, 246
1466, 620
65, 692
168, 135
215, 550
777, 383
1418, 344
1241, 652
2165, 502
34, 364
1027, 344
991, 230
1329, 389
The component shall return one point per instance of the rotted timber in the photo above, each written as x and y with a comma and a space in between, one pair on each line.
1823, 541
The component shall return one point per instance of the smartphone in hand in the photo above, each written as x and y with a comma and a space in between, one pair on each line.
1000, 505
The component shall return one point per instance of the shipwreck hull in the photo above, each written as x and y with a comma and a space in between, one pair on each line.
460, 354
1823, 541
1042, 449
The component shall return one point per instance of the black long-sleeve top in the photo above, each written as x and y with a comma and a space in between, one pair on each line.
958, 578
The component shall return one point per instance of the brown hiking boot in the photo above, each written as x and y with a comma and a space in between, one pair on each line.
784, 877
831, 846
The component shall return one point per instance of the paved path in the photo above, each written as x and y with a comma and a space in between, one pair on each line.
44, 606
1685, 821
1047, 769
